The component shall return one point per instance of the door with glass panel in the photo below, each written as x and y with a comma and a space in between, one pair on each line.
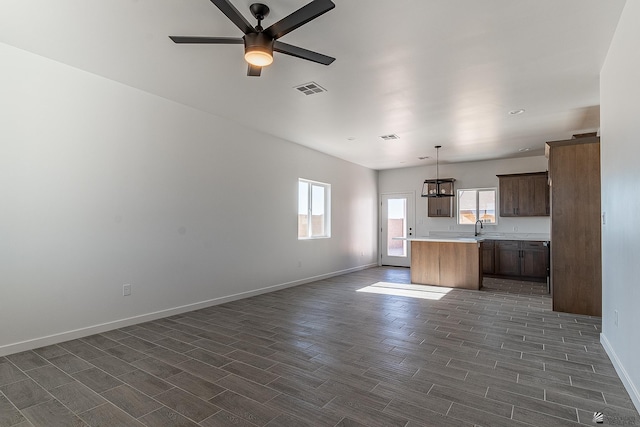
396, 220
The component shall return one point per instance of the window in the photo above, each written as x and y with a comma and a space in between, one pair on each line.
396, 226
477, 204
314, 209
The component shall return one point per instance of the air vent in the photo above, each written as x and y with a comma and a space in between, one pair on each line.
310, 88
390, 137
424, 158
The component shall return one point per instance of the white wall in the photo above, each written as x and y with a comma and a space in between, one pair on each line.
102, 185
467, 175
620, 150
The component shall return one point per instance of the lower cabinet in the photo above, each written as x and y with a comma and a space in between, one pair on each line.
508, 257
534, 260
488, 257
451, 264
515, 258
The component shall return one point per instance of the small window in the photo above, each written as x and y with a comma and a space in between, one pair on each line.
477, 204
314, 209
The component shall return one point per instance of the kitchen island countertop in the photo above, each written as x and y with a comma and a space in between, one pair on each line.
443, 239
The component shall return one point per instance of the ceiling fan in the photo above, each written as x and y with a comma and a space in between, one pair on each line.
260, 43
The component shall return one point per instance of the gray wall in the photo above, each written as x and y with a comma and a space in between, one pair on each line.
102, 185
620, 148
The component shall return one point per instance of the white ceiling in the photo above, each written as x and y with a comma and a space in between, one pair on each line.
433, 72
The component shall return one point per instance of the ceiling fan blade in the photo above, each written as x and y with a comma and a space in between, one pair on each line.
207, 40
236, 17
299, 52
254, 71
299, 17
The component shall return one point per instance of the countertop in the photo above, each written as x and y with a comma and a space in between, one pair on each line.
470, 238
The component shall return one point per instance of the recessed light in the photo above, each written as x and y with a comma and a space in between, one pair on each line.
524, 150
516, 112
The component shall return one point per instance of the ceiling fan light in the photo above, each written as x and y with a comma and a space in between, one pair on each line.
258, 58
258, 49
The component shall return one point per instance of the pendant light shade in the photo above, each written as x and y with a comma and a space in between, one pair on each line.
439, 187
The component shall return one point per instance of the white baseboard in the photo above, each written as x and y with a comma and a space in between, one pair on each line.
121, 323
622, 372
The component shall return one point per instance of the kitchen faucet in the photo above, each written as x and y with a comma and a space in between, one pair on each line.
475, 227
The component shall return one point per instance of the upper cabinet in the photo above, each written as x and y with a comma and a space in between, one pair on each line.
440, 206
524, 194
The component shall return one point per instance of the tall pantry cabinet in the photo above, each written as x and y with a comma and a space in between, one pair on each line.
576, 264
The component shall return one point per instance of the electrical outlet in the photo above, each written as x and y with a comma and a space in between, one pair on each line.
126, 290
604, 218
515, 228
615, 317
451, 228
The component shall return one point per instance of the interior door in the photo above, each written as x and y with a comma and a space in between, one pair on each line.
396, 220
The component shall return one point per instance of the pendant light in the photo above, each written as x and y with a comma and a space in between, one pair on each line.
438, 187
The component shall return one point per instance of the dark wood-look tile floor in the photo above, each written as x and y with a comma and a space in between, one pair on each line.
362, 349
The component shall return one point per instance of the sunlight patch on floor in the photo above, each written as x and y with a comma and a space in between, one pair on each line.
406, 290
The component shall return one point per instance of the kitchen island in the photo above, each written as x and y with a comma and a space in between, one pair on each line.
454, 262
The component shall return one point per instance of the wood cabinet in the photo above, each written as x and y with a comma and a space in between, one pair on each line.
455, 265
440, 206
507, 258
523, 259
462, 265
576, 264
525, 194
534, 260
488, 257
